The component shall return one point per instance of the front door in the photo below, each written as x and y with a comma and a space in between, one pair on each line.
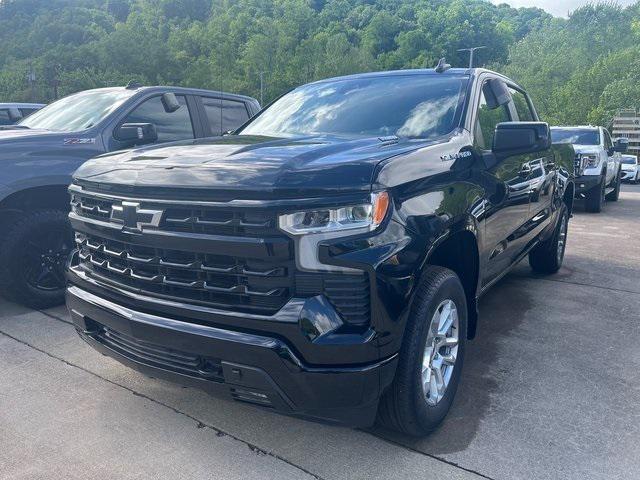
508, 189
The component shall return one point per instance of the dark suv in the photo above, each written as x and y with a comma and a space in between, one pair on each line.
38, 156
326, 259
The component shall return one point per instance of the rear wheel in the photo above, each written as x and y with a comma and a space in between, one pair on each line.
547, 256
431, 356
595, 197
34, 256
614, 195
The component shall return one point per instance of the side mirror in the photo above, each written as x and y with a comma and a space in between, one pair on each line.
621, 145
137, 133
15, 114
517, 138
170, 102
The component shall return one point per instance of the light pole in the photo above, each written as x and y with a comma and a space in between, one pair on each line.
261, 88
471, 51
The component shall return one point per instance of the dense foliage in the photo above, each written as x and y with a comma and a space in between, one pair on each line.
578, 69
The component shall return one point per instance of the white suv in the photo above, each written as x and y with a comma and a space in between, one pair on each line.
630, 169
597, 163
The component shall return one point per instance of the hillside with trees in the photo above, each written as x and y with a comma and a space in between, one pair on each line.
578, 70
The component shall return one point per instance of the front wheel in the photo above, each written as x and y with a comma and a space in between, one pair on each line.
431, 356
595, 197
34, 254
614, 195
547, 256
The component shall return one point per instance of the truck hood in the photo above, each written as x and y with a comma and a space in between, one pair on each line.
251, 163
587, 149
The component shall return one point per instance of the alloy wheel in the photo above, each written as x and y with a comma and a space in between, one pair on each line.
440, 352
45, 258
562, 238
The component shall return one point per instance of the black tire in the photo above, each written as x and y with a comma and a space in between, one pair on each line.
404, 406
614, 195
33, 257
595, 197
547, 256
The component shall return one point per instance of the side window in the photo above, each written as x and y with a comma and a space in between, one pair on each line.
171, 126
607, 140
522, 106
5, 119
487, 121
28, 111
224, 115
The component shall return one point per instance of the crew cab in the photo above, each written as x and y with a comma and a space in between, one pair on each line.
325, 260
12, 113
39, 154
597, 163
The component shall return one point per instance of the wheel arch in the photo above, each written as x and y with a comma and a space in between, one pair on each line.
458, 251
54, 196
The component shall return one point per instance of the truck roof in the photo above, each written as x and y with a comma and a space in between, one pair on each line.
574, 127
419, 71
185, 90
21, 105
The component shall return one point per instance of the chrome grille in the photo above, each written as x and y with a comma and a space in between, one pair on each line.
208, 221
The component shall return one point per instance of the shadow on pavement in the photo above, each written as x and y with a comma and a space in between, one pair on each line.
481, 377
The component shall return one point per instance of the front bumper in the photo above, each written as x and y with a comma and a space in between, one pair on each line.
585, 183
242, 366
629, 175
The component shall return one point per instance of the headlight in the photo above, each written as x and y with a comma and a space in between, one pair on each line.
367, 216
311, 227
589, 160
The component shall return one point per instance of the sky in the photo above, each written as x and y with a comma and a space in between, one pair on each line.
559, 8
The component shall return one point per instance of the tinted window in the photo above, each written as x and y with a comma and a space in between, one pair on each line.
224, 115
578, 136
487, 121
28, 111
607, 140
629, 160
522, 106
171, 126
414, 106
5, 119
78, 112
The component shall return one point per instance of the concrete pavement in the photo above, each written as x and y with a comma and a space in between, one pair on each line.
550, 390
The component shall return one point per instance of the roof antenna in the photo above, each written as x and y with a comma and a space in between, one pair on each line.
133, 85
442, 66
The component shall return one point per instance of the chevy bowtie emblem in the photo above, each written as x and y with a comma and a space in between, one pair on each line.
134, 218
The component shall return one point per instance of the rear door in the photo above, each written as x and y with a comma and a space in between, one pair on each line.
222, 114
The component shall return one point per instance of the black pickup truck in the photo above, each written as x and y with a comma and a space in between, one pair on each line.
38, 156
326, 259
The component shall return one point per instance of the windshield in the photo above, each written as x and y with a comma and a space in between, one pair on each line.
629, 160
414, 106
77, 112
581, 136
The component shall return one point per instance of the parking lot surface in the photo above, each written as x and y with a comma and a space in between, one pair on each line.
550, 390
